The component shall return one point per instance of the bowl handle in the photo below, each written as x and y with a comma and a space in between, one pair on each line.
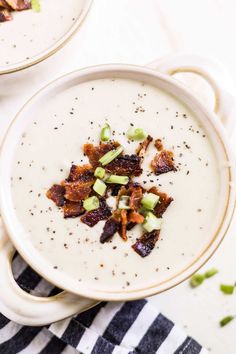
26, 309
213, 72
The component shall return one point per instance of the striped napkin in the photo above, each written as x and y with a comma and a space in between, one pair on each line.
134, 327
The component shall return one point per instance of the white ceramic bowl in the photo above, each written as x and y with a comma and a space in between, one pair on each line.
26, 309
32, 37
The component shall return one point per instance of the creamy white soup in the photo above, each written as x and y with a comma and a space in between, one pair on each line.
53, 141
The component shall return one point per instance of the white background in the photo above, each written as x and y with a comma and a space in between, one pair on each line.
137, 32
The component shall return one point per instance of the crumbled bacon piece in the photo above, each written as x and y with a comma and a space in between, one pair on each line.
163, 162
5, 15
158, 144
4, 4
56, 194
134, 191
144, 146
94, 153
135, 197
76, 191
122, 231
135, 217
19, 5
130, 219
112, 225
124, 190
73, 209
91, 218
163, 203
114, 188
81, 173
127, 165
130, 225
145, 244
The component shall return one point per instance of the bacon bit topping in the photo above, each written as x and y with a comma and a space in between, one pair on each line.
141, 150
111, 226
124, 190
56, 194
135, 197
158, 144
114, 188
79, 185
145, 244
19, 5
5, 15
163, 162
73, 190
91, 218
73, 209
122, 231
163, 203
76, 191
135, 218
9, 5
4, 4
94, 153
127, 165
81, 173
130, 225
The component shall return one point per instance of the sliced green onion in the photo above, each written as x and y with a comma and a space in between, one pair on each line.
111, 155
35, 5
124, 202
143, 211
196, 280
91, 203
151, 222
117, 179
149, 201
136, 134
99, 187
105, 133
226, 320
227, 289
211, 272
99, 172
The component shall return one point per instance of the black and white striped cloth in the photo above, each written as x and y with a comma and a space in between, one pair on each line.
119, 328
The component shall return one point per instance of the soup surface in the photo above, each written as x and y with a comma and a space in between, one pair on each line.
53, 141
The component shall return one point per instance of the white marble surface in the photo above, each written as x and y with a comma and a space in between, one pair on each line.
139, 31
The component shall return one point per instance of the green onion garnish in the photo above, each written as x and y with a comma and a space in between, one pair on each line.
151, 222
227, 289
136, 134
99, 172
105, 133
35, 5
99, 187
226, 320
111, 155
149, 201
143, 211
211, 272
196, 280
117, 179
91, 203
124, 202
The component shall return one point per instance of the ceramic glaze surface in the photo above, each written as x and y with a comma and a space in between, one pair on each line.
31, 34
53, 140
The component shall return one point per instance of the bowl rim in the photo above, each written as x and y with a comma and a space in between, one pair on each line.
54, 276
53, 48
